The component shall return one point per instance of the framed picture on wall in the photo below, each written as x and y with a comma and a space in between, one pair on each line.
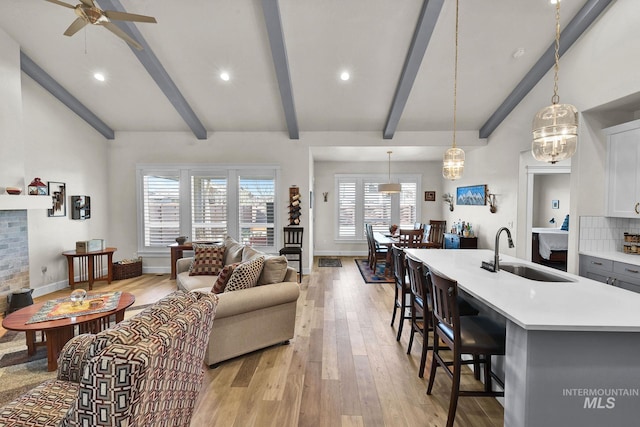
472, 195
58, 193
555, 204
429, 196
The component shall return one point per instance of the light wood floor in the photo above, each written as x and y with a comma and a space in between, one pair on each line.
344, 366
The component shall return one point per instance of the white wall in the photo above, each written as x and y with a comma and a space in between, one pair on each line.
325, 243
546, 189
39, 137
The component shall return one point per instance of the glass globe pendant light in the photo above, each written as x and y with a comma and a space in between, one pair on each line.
453, 160
555, 128
390, 187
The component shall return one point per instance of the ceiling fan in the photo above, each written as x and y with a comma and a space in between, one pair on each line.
89, 13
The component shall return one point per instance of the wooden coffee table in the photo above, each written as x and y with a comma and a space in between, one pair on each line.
59, 331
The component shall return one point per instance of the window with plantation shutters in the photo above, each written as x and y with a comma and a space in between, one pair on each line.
360, 203
209, 208
161, 205
206, 204
347, 209
256, 200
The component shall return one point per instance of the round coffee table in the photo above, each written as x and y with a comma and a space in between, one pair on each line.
59, 331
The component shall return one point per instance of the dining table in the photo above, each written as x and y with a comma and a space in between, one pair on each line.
386, 240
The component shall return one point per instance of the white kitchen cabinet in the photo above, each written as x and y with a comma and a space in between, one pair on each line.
623, 170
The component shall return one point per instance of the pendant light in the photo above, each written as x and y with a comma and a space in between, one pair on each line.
390, 187
453, 161
555, 128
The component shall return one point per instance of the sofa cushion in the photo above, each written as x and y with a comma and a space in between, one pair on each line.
233, 251
249, 253
245, 275
208, 260
274, 270
223, 278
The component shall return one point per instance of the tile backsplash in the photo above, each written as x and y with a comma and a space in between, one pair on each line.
603, 234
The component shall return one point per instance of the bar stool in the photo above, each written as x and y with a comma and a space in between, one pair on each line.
402, 289
476, 335
420, 309
293, 246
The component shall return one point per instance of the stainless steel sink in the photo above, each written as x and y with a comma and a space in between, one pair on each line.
532, 273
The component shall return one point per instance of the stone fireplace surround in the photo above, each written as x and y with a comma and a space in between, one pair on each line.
14, 254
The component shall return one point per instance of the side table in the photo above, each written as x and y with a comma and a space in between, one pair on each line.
87, 262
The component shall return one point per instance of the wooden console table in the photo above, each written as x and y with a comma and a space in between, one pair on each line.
87, 263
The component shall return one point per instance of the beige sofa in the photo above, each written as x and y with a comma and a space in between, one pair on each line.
247, 319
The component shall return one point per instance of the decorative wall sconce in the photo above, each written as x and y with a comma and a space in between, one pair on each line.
325, 194
491, 200
448, 197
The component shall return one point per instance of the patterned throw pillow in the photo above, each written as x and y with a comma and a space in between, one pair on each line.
207, 260
245, 275
223, 278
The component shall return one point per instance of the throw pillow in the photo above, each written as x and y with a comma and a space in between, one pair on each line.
233, 252
274, 270
223, 278
245, 275
207, 260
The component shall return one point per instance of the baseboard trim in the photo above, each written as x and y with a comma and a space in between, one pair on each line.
339, 253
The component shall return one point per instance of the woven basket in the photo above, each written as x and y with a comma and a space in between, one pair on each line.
127, 270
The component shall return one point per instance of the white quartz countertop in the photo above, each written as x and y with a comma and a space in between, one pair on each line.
615, 256
580, 305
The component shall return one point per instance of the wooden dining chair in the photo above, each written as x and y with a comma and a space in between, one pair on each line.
410, 238
479, 336
436, 234
376, 253
292, 249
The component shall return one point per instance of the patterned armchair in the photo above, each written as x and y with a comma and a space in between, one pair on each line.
145, 371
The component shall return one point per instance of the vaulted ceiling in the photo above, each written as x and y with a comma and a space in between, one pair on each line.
285, 58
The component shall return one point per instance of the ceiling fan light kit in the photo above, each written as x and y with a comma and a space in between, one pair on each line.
89, 13
390, 187
453, 159
555, 128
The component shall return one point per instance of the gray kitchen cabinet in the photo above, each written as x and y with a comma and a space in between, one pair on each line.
615, 273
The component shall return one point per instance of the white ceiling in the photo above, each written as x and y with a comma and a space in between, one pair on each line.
196, 40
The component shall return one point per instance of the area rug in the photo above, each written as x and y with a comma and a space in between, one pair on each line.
370, 276
329, 262
20, 372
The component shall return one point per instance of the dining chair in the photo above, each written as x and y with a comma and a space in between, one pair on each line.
376, 253
410, 238
437, 229
402, 289
478, 336
293, 246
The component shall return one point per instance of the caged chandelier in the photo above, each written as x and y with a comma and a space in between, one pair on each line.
390, 187
453, 160
555, 128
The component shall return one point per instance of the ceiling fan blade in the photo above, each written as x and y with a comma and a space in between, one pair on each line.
124, 36
89, 3
75, 26
61, 3
124, 16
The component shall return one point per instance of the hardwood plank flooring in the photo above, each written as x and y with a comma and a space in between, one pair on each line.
344, 366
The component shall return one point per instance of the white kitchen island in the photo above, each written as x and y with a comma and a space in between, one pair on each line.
573, 348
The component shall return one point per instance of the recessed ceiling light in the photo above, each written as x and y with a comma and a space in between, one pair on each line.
225, 76
344, 76
98, 76
554, 1
519, 52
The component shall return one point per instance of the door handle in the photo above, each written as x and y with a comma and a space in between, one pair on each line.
596, 263
631, 271
636, 208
